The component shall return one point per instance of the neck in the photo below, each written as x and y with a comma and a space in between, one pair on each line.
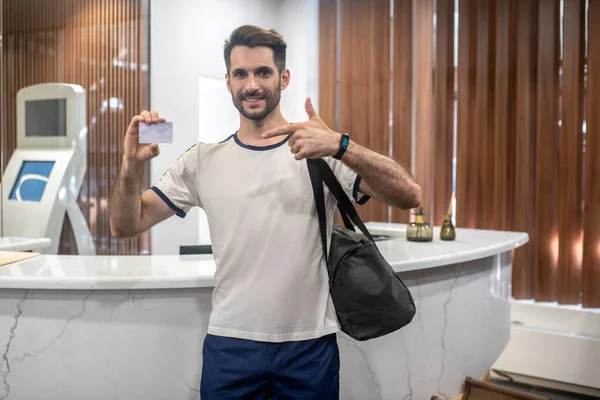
251, 131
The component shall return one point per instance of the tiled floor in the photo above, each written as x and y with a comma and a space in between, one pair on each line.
542, 392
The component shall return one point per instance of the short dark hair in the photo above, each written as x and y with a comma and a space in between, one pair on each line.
254, 36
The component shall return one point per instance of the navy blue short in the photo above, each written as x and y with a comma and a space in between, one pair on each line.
250, 370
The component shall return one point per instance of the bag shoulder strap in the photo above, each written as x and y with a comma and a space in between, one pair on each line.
319, 194
319, 172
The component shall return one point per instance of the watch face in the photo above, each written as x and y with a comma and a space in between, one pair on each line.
345, 141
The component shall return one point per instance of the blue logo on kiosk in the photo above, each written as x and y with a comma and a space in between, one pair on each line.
31, 181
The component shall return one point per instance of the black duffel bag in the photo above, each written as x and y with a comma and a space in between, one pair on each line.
370, 299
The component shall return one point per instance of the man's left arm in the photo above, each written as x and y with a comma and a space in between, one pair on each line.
381, 177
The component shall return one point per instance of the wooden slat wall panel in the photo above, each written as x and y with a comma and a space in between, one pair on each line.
94, 104
346, 73
570, 161
591, 235
118, 85
466, 139
8, 62
379, 106
142, 18
327, 62
483, 135
504, 113
548, 58
524, 199
443, 151
102, 56
516, 169
81, 42
402, 90
67, 238
365, 75
423, 102
111, 53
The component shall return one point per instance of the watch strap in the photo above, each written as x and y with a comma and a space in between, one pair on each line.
344, 142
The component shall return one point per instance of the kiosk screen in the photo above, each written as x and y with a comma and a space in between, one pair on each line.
31, 181
45, 118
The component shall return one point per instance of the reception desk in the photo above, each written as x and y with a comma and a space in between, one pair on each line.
23, 244
132, 327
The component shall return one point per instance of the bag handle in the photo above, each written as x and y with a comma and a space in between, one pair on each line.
319, 172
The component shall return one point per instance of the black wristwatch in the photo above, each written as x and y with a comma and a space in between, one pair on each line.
344, 142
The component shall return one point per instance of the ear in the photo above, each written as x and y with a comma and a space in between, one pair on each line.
285, 79
228, 83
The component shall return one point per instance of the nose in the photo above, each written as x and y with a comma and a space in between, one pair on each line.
252, 83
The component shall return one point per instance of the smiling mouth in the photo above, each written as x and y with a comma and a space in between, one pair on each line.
253, 100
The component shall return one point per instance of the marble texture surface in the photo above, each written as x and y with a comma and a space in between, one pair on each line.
9, 243
100, 345
461, 327
132, 327
154, 272
109, 272
147, 343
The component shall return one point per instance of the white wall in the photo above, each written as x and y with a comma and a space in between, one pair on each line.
188, 85
298, 22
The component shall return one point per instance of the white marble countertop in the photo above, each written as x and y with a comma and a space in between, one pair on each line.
470, 244
155, 272
10, 243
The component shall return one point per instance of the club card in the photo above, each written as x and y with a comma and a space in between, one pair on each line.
161, 132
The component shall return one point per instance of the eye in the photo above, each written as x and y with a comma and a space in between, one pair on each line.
265, 74
239, 74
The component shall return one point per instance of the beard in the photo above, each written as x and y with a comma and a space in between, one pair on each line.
271, 100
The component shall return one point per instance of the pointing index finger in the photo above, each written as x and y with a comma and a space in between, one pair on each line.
282, 130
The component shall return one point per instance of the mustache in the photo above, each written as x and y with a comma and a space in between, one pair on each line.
242, 96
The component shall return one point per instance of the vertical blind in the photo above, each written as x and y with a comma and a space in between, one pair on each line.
493, 99
102, 45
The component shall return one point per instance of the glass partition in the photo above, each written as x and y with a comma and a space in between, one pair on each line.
73, 75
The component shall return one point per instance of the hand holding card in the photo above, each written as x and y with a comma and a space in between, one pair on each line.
161, 132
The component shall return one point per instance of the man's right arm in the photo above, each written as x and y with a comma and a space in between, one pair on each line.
130, 212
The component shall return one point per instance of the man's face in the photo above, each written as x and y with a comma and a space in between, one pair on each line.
254, 81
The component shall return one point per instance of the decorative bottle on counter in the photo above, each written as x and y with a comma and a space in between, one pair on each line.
419, 231
447, 232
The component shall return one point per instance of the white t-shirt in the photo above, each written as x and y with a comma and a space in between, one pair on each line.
271, 277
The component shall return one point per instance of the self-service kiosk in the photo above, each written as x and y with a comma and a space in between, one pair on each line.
44, 175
